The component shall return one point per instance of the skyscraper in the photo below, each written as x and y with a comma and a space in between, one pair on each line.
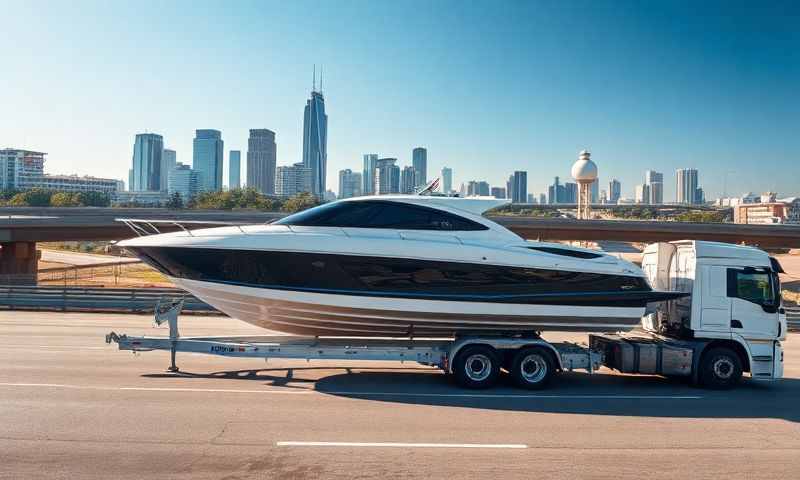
350, 183
168, 161
292, 179
234, 169
655, 182
520, 187
408, 179
555, 192
368, 174
419, 160
478, 188
447, 180
614, 191
686, 185
570, 192
261, 160
642, 194
387, 177
183, 180
595, 189
207, 158
315, 139
499, 192
148, 149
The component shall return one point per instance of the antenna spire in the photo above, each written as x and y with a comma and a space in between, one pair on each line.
314, 79
320, 79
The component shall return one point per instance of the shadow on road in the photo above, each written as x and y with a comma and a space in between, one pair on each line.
570, 393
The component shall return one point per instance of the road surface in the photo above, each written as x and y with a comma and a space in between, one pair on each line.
73, 407
83, 259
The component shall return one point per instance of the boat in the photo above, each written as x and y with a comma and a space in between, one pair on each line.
399, 266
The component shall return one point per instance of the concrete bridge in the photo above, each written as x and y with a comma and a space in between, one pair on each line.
21, 228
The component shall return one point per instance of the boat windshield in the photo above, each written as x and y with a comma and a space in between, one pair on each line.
380, 214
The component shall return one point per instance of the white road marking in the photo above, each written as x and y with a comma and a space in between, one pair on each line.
401, 445
357, 393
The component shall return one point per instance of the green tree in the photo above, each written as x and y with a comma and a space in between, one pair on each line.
65, 199
31, 198
299, 202
175, 201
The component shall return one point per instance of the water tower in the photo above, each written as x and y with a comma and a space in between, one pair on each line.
584, 171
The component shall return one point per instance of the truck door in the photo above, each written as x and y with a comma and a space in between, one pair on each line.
716, 306
754, 304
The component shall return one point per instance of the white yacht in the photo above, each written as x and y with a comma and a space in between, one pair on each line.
399, 266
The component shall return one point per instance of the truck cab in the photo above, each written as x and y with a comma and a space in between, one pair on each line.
734, 306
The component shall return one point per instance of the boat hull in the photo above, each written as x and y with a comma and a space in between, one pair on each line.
324, 314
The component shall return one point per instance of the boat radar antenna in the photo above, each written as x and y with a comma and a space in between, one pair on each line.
430, 187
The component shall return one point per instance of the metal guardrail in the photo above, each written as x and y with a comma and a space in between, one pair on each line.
87, 299
793, 319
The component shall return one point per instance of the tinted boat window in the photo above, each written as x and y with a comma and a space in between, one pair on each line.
380, 214
567, 253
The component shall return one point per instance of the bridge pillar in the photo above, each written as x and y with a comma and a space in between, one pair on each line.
18, 263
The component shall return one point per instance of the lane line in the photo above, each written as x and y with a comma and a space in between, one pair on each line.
401, 445
356, 393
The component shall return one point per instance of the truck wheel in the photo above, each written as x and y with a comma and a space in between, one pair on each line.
532, 368
720, 368
476, 366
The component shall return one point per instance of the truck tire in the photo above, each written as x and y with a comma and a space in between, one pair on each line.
476, 366
720, 368
533, 367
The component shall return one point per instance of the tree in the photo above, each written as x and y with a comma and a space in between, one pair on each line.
31, 198
299, 202
175, 201
65, 199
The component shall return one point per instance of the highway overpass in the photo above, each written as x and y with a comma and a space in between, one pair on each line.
21, 228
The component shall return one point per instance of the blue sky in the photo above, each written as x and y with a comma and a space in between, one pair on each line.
487, 87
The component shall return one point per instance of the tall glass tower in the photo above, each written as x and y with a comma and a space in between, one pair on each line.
419, 160
368, 173
148, 149
315, 139
234, 169
207, 155
261, 160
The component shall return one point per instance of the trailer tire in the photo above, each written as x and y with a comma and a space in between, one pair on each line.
533, 368
720, 369
477, 367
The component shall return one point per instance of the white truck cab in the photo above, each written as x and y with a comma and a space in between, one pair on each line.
734, 307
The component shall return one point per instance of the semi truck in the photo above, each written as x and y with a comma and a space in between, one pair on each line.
731, 322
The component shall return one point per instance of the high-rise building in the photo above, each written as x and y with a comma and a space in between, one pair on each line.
148, 149
519, 187
368, 173
19, 168
498, 192
642, 194
531, 198
315, 139
350, 183
447, 180
651, 178
419, 160
478, 188
234, 169
387, 176
261, 160
408, 179
542, 198
614, 191
570, 192
184, 180
130, 179
595, 189
656, 193
168, 161
207, 159
293, 179
686, 186
556, 193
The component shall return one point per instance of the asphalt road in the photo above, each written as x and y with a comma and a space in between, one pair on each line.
72, 407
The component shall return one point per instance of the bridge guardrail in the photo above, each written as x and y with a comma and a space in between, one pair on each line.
88, 299
793, 319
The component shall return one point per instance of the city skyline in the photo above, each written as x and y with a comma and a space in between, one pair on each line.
659, 97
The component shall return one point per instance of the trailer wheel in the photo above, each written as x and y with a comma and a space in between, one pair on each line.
532, 368
476, 366
720, 368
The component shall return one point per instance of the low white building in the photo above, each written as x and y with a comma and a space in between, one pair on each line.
292, 179
183, 180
